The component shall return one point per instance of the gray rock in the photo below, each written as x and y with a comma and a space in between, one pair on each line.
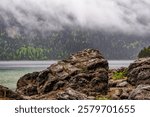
70, 94
122, 84
139, 72
142, 92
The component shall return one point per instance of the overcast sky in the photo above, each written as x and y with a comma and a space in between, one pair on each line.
127, 16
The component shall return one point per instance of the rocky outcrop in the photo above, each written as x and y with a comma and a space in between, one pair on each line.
139, 75
139, 72
65, 94
119, 89
142, 92
70, 94
84, 74
27, 84
7, 94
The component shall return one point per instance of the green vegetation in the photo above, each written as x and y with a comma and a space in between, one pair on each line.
20, 49
31, 53
56, 45
60, 44
119, 74
145, 52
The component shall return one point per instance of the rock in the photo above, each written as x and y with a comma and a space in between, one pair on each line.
26, 85
70, 94
85, 72
7, 94
122, 84
65, 94
139, 72
118, 83
119, 89
114, 93
125, 94
142, 92
120, 93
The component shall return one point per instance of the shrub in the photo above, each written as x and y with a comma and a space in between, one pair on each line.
119, 74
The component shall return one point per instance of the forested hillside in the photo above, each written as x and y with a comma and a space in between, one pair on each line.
59, 44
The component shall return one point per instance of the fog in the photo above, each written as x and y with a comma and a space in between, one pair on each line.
126, 16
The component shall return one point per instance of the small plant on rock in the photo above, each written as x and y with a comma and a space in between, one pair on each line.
119, 74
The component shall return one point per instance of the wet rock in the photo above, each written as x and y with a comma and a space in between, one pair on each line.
142, 92
139, 72
7, 94
85, 72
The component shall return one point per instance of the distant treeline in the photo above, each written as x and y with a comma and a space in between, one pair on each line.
60, 44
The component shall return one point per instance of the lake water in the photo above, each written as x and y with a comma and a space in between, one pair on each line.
11, 71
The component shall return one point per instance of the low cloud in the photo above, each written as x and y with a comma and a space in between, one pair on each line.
126, 16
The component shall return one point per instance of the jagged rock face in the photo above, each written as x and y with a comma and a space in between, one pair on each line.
7, 94
142, 92
84, 72
139, 72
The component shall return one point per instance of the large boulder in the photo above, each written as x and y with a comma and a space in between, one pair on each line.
84, 72
7, 94
139, 72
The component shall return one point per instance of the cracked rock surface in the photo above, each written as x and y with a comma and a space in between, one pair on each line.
84, 73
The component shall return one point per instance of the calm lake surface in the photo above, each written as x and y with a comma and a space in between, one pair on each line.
11, 71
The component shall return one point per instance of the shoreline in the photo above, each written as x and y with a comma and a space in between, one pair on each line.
84, 75
42, 64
